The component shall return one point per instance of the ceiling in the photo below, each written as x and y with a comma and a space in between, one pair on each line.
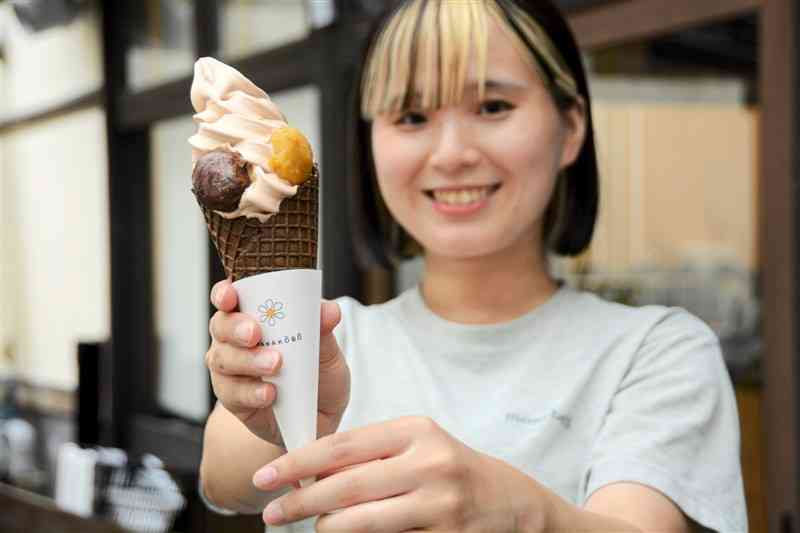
730, 45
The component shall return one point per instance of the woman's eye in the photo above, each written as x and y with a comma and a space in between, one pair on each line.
493, 107
410, 118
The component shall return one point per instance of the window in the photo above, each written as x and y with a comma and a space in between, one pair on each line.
72, 54
180, 273
162, 47
55, 236
249, 26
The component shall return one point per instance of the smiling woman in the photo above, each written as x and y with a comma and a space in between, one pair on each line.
489, 397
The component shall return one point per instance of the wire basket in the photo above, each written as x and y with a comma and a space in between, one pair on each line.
139, 497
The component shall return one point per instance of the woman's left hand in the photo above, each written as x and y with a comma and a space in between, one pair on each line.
403, 475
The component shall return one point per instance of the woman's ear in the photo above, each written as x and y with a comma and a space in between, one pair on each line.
575, 132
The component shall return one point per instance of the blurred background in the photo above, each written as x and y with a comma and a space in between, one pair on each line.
106, 264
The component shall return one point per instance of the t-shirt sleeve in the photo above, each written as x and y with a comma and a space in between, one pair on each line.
673, 425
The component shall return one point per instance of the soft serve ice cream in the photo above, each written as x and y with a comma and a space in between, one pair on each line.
258, 187
246, 159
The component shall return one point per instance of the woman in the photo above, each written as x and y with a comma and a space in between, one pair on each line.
488, 398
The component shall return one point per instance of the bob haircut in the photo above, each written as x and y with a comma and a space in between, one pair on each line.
400, 51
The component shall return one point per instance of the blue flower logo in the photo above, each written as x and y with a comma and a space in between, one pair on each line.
271, 311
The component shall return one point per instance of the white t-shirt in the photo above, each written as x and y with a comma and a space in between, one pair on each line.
578, 394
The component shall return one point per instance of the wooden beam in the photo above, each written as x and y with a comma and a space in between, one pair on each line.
26, 512
779, 221
206, 28
633, 20
134, 374
143, 108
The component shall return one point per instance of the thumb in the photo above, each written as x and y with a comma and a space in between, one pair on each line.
224, 296
330, 315
328, 347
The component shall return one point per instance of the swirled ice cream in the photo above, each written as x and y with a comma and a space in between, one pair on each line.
246, 159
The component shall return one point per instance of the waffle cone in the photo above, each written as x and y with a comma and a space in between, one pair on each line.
288, 239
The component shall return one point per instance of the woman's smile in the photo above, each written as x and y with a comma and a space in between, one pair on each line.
463, 200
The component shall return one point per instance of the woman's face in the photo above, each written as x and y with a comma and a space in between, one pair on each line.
474, 179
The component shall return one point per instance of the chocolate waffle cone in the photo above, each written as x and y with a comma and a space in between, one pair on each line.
288, 239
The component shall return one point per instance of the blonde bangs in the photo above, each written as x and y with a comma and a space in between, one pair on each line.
410, 53
547, 55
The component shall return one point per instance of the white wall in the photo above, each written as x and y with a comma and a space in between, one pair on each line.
48, 67
8, 274
55, 189
180, 267
53, 203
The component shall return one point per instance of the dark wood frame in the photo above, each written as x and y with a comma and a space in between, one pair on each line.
780, 219
328, 55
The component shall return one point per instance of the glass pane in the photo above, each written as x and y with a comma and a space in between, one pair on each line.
163, 42
55, 245
249, 26
302, 110
677, 139
180, 269
68, 50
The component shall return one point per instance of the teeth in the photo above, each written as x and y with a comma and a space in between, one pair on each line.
461, 196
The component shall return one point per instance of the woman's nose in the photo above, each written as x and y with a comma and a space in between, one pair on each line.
454, 149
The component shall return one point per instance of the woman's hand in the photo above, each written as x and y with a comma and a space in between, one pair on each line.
403, 475
237, 365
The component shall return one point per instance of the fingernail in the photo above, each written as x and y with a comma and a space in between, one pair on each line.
266, 360
215, 295
263, 393
265, 476
243, 331
273, 512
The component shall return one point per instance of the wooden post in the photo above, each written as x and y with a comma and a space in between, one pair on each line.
132, 329
780, 171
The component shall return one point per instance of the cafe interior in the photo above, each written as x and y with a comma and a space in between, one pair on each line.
106, 264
